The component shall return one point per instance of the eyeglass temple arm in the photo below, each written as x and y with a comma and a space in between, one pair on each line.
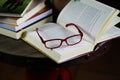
39, 35
76, 26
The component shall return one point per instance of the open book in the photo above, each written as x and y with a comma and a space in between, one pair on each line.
80, 26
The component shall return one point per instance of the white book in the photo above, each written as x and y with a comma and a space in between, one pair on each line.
95, 21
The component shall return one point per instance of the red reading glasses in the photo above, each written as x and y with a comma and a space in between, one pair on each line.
56, 43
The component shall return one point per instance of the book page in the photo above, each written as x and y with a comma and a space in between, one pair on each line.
90, 15
114, 32
65, 52
115, 21
33, 5
54, 31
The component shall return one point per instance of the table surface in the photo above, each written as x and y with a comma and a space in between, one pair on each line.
20, 53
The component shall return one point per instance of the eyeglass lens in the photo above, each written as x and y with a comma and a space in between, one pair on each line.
69, 41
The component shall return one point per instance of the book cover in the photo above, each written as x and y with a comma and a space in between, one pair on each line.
13, 7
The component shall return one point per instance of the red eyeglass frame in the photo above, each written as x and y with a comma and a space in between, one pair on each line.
67, 25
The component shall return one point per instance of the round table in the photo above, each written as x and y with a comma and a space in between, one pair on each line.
19, 53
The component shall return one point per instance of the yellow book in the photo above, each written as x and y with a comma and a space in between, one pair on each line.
80, 26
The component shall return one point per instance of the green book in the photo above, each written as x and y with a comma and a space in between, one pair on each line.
14, 8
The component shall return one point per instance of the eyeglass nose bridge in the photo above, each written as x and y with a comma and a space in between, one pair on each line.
63, 41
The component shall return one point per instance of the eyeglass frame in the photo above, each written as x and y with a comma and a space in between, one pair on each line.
67, 25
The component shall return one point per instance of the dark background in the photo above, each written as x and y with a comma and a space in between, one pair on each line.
113, 3
105, 67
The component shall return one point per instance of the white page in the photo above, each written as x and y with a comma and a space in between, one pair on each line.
89, 14
61, 54
54, 31
111, 31
114, 32
115, 21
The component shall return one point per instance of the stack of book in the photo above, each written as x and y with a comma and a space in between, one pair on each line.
18, 16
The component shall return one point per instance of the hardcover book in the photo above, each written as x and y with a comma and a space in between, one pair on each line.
80, 26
